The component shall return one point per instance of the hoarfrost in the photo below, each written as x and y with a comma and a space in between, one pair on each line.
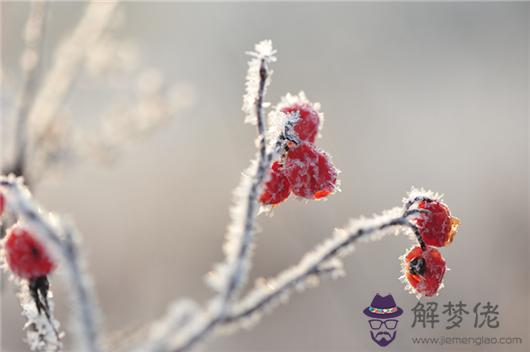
42, 334
263, 52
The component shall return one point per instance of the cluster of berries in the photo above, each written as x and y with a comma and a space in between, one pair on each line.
303, 169
28, 259
423, 266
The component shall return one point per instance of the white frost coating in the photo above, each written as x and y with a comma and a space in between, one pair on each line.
301, 99
42, 335
263, 51
386, 215
416, 194
219, 277
58, 237
277, 123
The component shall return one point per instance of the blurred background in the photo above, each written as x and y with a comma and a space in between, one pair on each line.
424, 94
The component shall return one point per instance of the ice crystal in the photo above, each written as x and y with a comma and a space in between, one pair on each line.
263, 53
42, 334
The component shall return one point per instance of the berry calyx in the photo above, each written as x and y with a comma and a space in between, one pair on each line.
438, 227
25, 255
424, 270
310, 172
306, 128
277, 189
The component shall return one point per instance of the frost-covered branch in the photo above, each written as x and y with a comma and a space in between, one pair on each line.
324, 259
59, 237
241, 234
230, 276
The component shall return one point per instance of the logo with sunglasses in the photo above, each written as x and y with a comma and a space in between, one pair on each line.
383, 323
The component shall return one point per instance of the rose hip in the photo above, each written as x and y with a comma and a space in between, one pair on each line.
424, 270
438, 227
306, 127
310, 172
277, 189
25, 255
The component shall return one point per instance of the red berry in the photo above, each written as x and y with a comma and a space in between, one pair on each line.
306, 127
26, 257
424, 270
2, 204
310, 172
438, 227
277, 189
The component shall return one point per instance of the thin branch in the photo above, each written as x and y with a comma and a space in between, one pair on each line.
58, 236
235, 279
31, 64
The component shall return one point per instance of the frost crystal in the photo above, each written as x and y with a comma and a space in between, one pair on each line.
263, 53
300, 99
42, 334
416, 194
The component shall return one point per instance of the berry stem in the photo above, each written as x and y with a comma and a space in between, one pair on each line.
38, 288
413, 212
416, 231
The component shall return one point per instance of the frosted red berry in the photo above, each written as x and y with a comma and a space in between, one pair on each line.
438, 227
25, 255
2, 204
277, 188
306, 128
310, 172
424, 270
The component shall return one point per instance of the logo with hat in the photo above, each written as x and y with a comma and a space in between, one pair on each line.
383, 312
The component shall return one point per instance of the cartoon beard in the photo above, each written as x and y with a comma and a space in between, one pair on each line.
383, 338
